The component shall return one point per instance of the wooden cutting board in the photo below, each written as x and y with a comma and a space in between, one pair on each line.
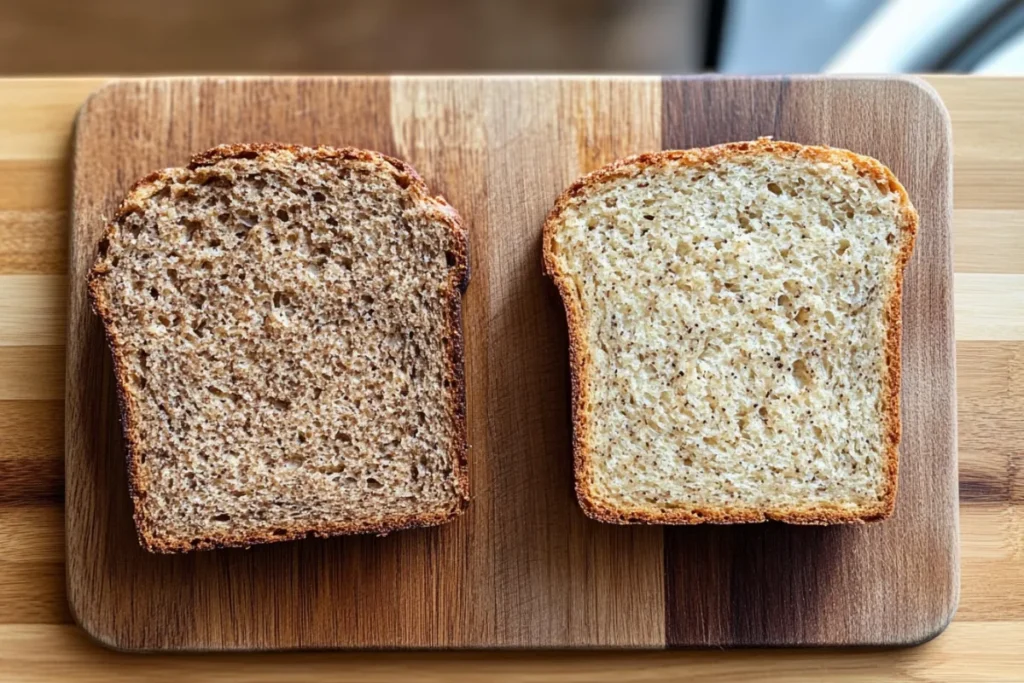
524, 568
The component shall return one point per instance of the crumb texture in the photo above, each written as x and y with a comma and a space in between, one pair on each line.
285, 321
733, 331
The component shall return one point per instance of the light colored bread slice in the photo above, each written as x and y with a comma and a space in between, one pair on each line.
286, 334
734, 321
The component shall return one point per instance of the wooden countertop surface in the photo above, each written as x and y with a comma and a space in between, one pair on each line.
38, 640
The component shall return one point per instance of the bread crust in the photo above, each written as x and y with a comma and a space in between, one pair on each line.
458, 280
579, 354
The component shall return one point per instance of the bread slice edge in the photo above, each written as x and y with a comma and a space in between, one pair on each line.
138, 194
579, 355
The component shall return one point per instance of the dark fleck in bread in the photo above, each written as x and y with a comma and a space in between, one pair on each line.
286, 333
734, 318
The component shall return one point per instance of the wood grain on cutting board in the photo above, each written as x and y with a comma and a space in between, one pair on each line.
524, 568
883, 583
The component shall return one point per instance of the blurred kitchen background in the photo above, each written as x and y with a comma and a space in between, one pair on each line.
40, 37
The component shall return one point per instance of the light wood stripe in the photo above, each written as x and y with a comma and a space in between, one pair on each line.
34, 184
991, 533
418, 126
987, 184
988, 241
991, 562
987, 369
988, 141
32, 310
33, 593
38, 114
31, 373
34, 242
31, 534
989, 307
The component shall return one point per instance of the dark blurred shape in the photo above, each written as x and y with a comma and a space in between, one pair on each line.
243, 36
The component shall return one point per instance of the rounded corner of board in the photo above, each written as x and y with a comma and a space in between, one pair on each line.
96, 97
931, 98
99, 636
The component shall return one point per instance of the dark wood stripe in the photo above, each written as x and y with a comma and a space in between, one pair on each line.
31, 452
990, 387
710, 576
702, 112
27, 483
697, 591
975, 488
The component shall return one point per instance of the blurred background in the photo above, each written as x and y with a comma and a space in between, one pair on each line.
39, 37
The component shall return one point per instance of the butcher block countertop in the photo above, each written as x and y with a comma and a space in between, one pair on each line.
39, 641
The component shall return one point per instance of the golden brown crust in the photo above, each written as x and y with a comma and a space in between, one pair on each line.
438, 208
579, 356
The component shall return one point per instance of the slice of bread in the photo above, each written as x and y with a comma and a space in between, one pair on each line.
286, 334
734, 324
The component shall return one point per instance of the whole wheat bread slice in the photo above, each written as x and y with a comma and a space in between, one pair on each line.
286, 333
734, 323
